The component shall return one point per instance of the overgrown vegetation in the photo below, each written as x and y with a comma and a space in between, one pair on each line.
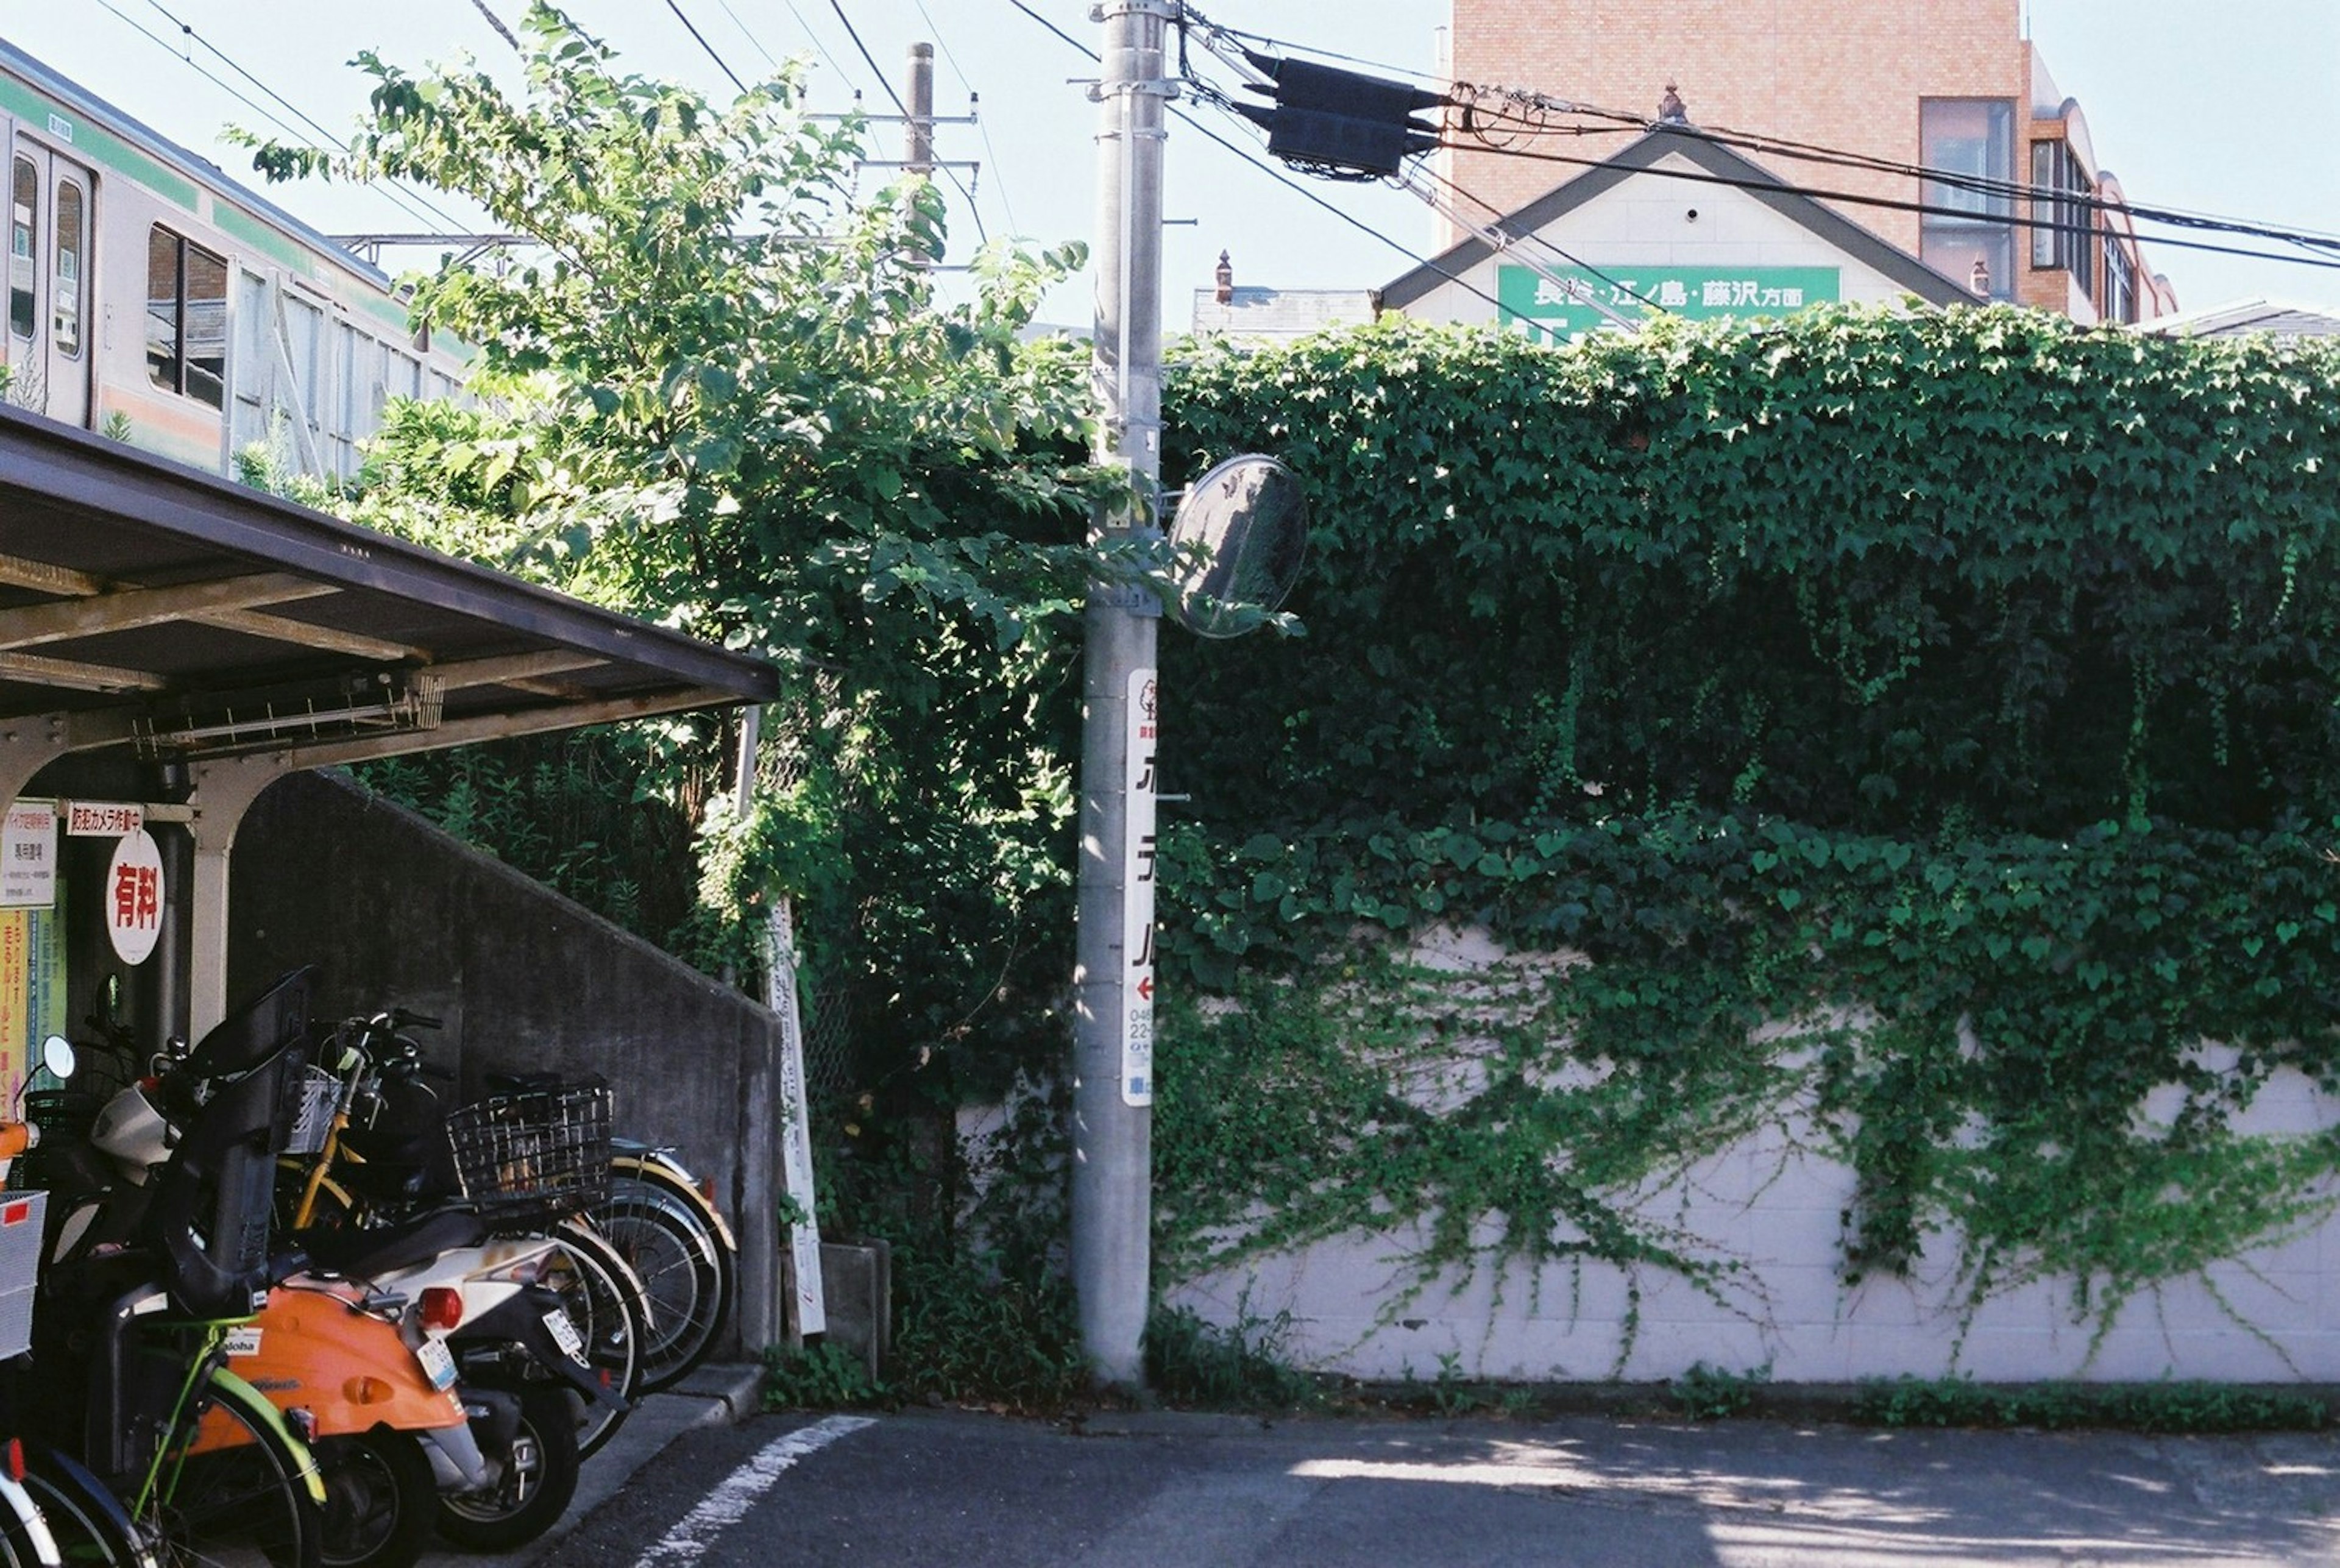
1709, 1393
1918, 732
819, 1376
715, 389
1246, 1366
2172, 1406
1953, 695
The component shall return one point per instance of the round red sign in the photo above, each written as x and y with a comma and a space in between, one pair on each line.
134, 897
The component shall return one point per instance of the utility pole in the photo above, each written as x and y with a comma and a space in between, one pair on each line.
1112, 976
918, 118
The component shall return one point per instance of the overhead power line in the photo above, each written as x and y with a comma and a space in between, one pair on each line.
982, 126
1281, 176
748, 33
2328, 261
904, 110
1954, 179
412, 203
700, 38
1489, 109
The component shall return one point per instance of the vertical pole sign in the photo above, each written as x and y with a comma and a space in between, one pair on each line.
28, 884
811, 1314
1138, 897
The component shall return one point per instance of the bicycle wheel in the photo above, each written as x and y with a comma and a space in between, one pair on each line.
605, 1303
681, 1264
233, 1489
381, 1498
89, 1523
26, 1539
535, 1487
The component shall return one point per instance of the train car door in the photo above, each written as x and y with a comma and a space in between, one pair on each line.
49, 315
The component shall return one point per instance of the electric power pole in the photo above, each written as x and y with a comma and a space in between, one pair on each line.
919, 121
1112, 977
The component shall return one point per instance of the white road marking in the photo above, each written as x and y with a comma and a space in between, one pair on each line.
728, 1504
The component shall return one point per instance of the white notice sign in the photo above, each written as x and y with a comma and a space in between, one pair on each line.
28, 856
1137, 894
134, 897
103, 818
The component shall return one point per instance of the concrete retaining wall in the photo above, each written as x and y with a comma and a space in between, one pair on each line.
395, 912
1775, 1206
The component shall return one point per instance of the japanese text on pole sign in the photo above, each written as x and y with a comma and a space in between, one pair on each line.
28, 856
134, 897
103, 818
1138, 892
1558, 302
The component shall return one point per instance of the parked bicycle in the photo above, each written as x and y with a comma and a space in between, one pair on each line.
527, 1164
130, 1336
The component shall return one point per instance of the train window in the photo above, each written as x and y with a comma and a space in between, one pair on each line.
64, 287
24, 212
186, 318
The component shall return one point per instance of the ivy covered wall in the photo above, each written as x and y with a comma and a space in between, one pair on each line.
1902, 746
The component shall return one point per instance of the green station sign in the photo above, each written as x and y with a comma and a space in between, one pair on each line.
1559, 302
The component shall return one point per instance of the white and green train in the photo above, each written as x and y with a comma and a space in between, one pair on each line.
151, 295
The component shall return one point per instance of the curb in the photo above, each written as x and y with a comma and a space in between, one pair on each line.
710, 1397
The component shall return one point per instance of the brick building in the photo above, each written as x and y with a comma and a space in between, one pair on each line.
1950, 84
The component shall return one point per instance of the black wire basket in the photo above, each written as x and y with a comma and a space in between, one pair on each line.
60, 1117
535, 1156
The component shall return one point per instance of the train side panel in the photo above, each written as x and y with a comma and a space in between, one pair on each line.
152, 298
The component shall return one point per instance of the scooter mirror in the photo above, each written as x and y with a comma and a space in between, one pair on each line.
57, 1056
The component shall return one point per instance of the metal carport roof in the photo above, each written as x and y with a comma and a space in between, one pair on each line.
154, 611
155, 606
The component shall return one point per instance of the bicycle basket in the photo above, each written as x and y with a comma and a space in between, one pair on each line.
536, 1155
63, 1116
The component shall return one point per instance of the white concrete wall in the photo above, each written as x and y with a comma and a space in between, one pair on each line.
1644, 222
2272, 1315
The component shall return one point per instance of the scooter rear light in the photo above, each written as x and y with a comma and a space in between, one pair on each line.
15, 1460
442, 1307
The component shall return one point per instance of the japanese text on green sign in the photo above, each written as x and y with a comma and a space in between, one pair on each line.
1563, 301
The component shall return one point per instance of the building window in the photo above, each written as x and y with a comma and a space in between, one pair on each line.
186, 318
23, 219
2120, 281
2065, 228
65, 286
1968, 139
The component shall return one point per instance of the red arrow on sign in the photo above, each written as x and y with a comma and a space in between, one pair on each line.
1145, 988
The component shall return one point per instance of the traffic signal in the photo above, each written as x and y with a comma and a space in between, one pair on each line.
1339, 120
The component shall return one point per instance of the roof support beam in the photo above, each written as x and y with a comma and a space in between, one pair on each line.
306, 634
73, 675
501, 726
123, 609
525, 670
42, 576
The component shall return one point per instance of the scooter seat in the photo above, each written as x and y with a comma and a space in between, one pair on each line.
349, 1251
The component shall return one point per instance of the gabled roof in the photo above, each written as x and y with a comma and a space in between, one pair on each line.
1641, 158
2238, 317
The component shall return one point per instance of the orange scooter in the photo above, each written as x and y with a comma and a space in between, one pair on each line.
369, 1406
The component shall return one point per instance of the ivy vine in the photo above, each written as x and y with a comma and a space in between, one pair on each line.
1956, 694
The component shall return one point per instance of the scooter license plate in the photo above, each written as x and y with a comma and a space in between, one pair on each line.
565, 1334
438, 1366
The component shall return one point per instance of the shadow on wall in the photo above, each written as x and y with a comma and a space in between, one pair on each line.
394, 912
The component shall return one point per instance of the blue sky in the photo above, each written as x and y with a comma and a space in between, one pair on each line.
2231, 110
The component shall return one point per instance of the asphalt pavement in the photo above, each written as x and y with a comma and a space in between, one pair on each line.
1172, 1491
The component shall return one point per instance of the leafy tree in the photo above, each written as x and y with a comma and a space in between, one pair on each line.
712, 388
